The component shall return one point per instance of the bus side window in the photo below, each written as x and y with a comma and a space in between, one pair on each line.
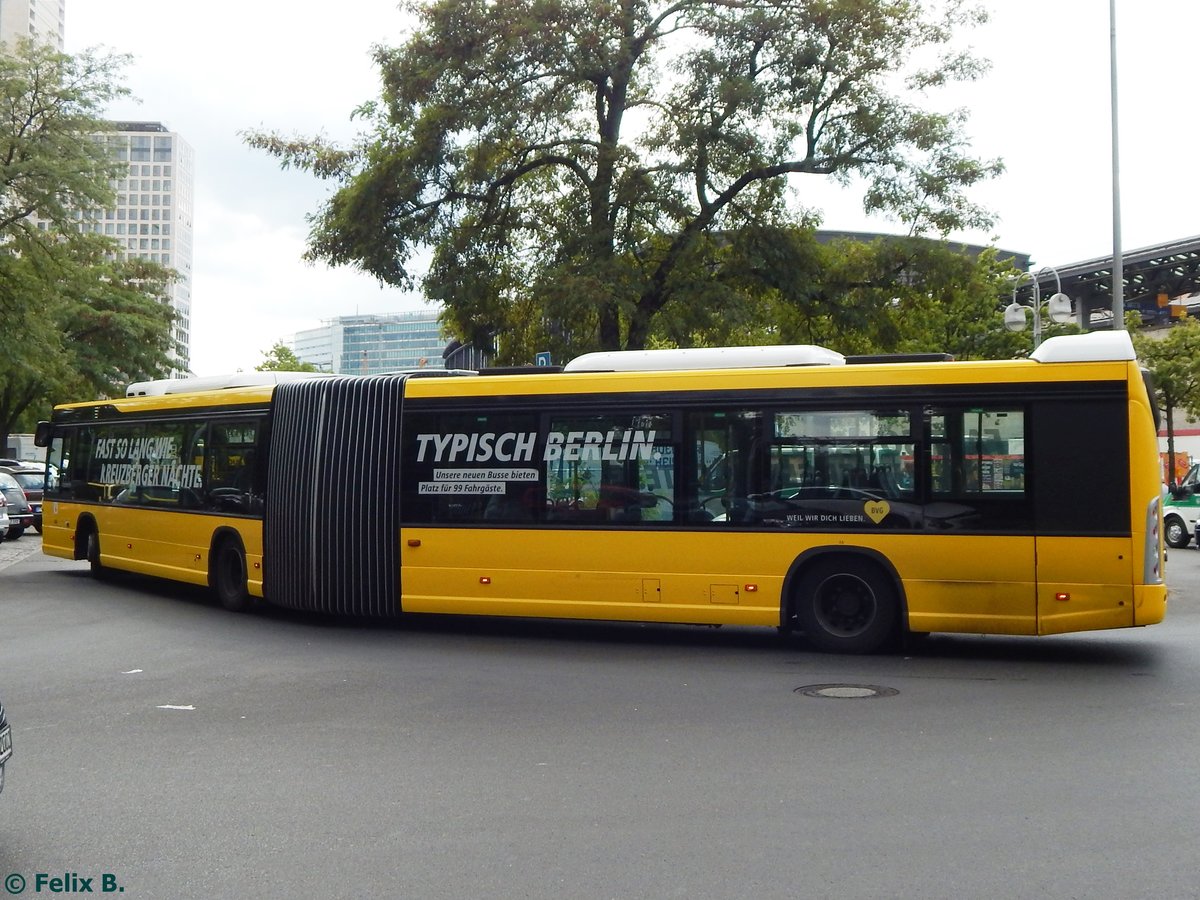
610, 469
231, 467
723, 453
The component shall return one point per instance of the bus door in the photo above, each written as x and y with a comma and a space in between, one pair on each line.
981, 574
1086, 556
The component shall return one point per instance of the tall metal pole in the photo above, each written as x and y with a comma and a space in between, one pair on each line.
1118, 276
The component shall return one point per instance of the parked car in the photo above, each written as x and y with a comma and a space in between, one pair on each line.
32, 481
20, 510
1181, 509
3, 517
5, 744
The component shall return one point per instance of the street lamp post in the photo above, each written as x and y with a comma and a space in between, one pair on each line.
1118, 277
1058, 306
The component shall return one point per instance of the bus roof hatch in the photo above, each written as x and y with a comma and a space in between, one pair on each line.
1095, 346
705, 358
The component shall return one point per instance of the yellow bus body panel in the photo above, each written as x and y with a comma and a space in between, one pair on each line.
161, 543
979, 584
1150, 604
1084, 585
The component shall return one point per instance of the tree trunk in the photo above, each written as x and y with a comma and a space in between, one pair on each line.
610, 327
1171, 446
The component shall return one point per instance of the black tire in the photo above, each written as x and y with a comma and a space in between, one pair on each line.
91, 544
1176, 532
229, 575
847, 606
14, 533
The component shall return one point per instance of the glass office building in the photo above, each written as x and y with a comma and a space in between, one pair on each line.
373, 344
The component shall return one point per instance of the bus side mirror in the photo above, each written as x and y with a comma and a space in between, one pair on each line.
42, 435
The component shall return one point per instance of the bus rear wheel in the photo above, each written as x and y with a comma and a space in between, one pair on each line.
847, 606
229, 575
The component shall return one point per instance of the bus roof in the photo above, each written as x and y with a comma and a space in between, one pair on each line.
1103, 346
1096, 346
216, 382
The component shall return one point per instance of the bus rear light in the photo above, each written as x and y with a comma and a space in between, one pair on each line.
1153, 549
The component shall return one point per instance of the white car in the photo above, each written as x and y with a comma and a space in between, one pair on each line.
3, 517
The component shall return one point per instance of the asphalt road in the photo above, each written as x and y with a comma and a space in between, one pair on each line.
186, 752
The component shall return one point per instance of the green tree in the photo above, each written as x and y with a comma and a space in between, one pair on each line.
101, 323
281, 358
1173, 359
924, 296
571, 164
889, 295
51, 163
83, 321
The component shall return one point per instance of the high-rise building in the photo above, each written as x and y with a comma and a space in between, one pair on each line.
40, 20
152, 218
373, 344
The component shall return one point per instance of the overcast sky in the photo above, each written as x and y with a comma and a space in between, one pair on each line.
208, 69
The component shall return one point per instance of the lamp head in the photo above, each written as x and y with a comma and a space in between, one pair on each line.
1059, 307
1015, 316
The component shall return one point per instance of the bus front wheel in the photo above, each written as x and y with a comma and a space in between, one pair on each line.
229, 575
1176, 532
847, 606
91, 551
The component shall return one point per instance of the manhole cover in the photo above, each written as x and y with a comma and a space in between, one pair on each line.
846, 691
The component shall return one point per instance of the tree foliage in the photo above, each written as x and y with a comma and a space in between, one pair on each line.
51, 166
889, 295
282, 358
575, 167
1173, 359
81, 321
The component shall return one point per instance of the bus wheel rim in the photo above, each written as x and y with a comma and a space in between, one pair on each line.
845, 605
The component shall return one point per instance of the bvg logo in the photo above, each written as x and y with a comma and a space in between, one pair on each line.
877, 510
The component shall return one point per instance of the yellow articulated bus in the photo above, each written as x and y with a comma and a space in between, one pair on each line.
850, 499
